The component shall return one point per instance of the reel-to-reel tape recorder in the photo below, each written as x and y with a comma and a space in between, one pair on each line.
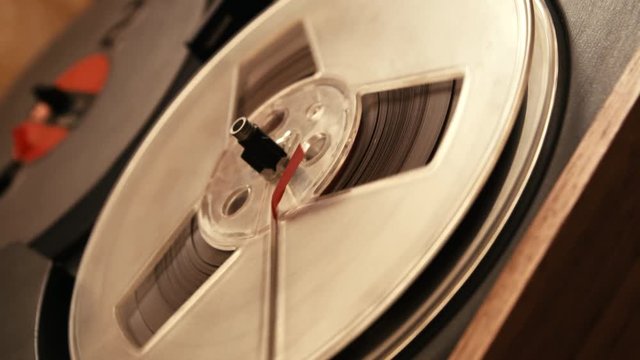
341, 179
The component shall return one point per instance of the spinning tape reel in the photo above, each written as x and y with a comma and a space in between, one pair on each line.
404, 120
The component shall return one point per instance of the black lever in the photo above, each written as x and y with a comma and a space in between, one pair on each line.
225, 19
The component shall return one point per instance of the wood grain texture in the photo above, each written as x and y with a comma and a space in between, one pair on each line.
26, 28
571, 286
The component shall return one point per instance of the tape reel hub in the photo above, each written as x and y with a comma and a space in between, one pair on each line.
318, 114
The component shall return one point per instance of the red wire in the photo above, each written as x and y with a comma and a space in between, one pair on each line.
288, 173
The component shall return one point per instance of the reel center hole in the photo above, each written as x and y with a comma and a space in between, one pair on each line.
315, 147
274, 121
236, 201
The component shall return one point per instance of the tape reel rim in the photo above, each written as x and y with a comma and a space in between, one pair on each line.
101, 230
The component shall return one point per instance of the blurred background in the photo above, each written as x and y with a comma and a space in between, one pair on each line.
26, 27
